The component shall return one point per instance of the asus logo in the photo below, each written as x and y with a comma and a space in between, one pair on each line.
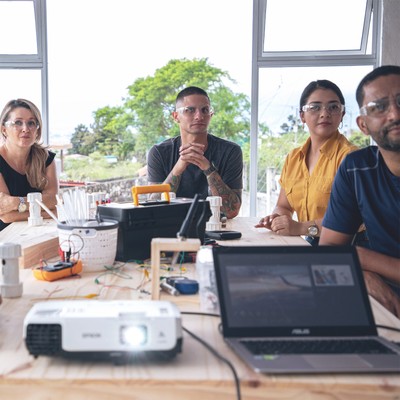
91, 335
299, 331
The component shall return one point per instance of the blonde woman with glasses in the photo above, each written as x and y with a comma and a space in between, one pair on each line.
309, 170
26, 166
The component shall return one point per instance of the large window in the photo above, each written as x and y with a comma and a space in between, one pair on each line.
295, 43
73, 57
23, 54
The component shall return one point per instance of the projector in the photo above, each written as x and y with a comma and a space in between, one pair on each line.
119, 330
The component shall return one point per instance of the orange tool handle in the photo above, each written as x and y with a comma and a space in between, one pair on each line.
162, 188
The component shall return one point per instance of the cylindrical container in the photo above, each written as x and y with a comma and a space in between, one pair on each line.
95, 243
34, 219
206, 276
10, 285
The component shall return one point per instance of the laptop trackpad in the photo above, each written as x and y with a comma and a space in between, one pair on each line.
342, 362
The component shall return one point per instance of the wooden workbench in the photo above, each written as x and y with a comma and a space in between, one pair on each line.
194, 374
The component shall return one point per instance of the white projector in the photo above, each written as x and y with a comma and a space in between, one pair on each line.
120, 330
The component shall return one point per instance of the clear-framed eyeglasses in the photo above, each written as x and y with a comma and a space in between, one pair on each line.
331, 108
190, 111
19, 124
379, 108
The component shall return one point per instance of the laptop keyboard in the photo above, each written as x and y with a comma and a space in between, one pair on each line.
264, 347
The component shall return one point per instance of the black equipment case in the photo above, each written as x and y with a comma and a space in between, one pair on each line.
138, 225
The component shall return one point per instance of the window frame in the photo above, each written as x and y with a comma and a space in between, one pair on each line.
35, 61
277, 59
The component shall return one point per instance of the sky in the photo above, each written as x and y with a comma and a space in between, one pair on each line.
105, 48
97, 48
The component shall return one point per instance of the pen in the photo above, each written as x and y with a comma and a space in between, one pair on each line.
48, 211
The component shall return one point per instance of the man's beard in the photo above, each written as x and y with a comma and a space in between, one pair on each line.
382, 138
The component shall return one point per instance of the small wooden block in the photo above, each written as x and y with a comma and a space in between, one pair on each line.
37, 242
166, 244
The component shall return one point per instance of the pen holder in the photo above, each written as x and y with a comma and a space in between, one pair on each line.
94, 243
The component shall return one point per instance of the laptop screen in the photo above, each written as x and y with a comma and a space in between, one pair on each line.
292, 290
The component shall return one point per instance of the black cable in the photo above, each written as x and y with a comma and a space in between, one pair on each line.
390, 328
200, 220
220, 357
187, 222
199, 313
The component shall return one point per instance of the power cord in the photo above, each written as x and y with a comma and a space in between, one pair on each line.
203, 314
220, 357
200, 220
212, 350
390, 328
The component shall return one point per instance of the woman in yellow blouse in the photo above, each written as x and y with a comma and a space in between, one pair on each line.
309, 170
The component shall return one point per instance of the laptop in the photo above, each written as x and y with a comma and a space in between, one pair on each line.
299, 309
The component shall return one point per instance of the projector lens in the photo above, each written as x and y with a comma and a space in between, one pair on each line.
134, 335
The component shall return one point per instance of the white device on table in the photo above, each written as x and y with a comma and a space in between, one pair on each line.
34, 219
214, 223
116, 329
10, 286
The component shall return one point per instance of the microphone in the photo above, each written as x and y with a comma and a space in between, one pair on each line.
184, 231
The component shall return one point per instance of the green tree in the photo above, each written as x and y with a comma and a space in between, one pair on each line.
144, 118
82, 140
151, 101
291, 125
359, 139
112, 132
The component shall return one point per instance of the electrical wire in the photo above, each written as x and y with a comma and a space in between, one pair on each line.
200, 313
200, 220
212, 350
220, 357
390, 328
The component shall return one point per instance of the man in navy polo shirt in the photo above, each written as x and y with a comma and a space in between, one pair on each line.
367, 188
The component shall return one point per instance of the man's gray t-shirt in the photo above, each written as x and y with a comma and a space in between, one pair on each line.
226, 156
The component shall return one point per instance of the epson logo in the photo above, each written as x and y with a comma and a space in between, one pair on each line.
299, 331
90, 335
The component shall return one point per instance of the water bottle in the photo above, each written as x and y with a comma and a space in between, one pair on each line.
206, 276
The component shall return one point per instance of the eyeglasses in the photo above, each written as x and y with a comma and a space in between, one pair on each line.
380, 107
316, 108
190, 111
18, 124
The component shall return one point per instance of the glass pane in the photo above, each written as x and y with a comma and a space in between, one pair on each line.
280, 91
25, 84
17, 23
137, 41
312, 25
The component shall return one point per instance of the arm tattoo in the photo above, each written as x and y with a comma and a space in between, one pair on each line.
231, 199
174, 181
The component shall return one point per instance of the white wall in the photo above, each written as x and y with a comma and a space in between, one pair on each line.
391, 32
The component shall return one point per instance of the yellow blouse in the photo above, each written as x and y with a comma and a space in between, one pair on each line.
308, 194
